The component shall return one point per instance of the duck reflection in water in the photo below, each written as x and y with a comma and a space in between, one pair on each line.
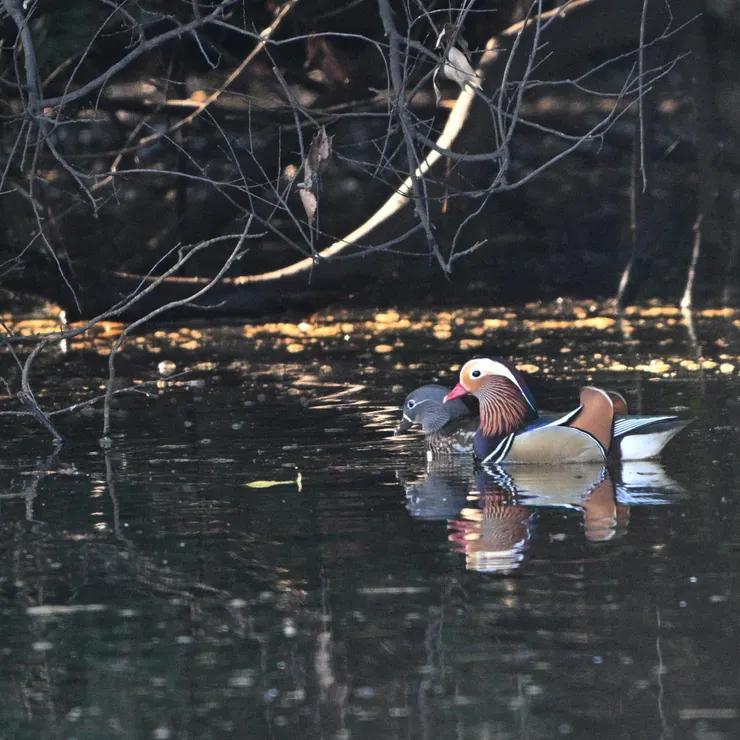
441, 491
492, 513
496, 535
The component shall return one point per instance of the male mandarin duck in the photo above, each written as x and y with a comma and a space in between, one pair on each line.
448, 428
512, 430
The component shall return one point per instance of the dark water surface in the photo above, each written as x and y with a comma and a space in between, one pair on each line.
149, 592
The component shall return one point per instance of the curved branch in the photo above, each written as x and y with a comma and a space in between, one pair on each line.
402, 196
601, 26
453, 127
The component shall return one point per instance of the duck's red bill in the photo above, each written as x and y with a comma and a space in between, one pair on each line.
456, 392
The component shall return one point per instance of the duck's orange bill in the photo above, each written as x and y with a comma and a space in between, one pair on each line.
456, 392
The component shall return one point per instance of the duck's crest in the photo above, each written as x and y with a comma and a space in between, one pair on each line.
517, 378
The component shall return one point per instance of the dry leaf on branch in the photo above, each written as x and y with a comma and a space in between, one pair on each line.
318, 155
310, 203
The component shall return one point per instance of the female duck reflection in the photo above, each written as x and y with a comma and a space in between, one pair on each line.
493, 513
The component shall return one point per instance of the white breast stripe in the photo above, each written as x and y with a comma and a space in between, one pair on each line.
564, 419
501, 450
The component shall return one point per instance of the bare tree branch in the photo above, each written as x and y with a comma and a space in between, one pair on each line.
143, 48
235, 254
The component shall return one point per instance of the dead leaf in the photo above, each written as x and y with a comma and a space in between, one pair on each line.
310, 203
317, 157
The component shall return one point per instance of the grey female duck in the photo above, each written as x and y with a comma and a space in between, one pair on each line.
448, 428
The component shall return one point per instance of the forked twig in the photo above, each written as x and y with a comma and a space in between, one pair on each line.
26, 395
233, 256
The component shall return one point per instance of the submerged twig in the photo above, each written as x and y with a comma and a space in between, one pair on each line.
26, 397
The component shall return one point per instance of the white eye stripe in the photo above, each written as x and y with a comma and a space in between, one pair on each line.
497, 369
500, 369
418, 403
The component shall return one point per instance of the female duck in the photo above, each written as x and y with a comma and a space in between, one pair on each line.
448, 428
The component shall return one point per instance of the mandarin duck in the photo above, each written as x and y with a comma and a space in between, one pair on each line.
512, 430
448, 428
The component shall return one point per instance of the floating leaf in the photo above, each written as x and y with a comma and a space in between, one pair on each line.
297, 481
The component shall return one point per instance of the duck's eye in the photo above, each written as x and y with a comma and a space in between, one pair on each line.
411, 404
475, 374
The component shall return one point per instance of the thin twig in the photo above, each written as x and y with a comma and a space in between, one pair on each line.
264, 37
688, 294
235, 254
132, 56
14, 9
26, 395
